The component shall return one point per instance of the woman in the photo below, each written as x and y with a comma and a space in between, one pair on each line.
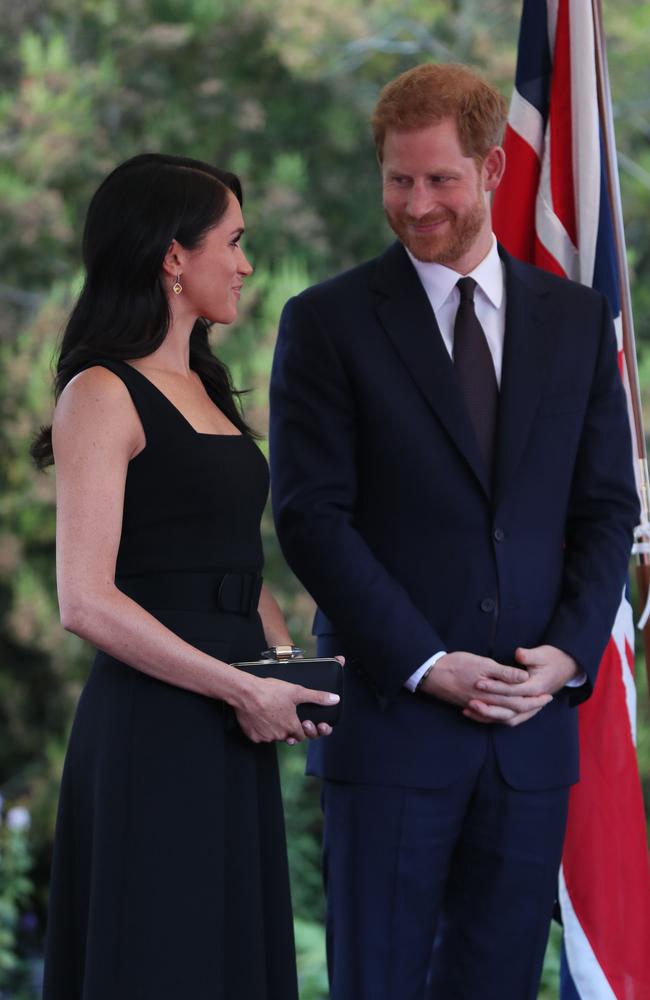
169, 876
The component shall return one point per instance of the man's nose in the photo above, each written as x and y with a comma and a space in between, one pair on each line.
420, 201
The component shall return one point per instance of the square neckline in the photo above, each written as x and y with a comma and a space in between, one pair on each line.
237, 434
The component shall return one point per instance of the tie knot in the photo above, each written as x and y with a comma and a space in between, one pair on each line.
466, 288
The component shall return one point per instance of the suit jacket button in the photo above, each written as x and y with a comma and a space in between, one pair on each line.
499, 534
488, 605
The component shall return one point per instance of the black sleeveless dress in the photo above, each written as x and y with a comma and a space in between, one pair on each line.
170, 876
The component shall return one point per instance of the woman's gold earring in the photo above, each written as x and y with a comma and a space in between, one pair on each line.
177, 288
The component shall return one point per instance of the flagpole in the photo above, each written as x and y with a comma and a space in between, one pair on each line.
629, 346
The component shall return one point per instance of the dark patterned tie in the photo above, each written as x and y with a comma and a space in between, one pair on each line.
475, 369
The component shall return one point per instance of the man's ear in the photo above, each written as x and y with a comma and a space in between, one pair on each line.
174, 259
493, 168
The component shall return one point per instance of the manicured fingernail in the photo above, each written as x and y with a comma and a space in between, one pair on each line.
291, 743
333, 699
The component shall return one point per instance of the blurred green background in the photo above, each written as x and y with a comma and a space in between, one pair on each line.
280, 93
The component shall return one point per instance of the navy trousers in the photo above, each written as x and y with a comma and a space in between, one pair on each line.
440, 894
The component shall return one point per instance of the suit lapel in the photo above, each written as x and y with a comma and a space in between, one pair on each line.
527, 350
406, 315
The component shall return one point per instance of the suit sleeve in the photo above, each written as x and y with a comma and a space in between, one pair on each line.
603, 510
314, 444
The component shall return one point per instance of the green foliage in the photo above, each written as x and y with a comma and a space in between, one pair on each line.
15, 890
310, 951
626, 25
549, 986
304, 829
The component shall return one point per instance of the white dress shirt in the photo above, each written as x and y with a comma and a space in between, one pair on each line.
439, 283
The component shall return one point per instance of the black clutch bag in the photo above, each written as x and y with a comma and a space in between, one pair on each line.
321, 673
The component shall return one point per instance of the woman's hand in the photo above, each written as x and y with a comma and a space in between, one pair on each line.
268, 711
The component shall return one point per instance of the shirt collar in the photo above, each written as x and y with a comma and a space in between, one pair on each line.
439, 281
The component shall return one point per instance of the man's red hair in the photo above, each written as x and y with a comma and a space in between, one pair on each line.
427, 94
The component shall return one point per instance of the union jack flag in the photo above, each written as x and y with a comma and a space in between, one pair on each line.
553, 209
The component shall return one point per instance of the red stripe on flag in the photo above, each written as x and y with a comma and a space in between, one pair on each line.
513, 209
605, 851
543, 258
560, 126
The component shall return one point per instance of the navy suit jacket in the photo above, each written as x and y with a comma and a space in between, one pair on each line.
385, 513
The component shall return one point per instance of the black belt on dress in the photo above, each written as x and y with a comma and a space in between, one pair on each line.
235, 592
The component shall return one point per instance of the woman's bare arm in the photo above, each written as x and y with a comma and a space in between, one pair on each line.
276, 632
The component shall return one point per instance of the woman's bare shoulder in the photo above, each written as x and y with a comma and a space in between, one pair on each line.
97, 399
93, 388
95, 382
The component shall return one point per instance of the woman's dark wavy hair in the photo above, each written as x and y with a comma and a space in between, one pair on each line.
123, 312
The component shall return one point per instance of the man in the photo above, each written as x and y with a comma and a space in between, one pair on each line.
453, 484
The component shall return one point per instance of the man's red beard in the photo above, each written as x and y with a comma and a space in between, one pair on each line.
439, 248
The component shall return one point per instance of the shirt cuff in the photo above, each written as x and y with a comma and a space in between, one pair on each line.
577, 681
412, 682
